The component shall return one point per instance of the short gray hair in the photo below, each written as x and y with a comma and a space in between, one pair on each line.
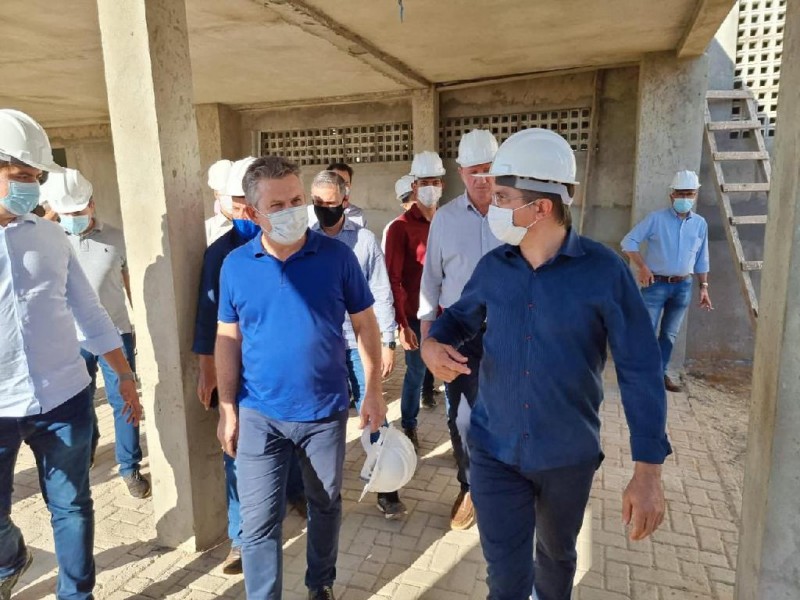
330, 179
266, 167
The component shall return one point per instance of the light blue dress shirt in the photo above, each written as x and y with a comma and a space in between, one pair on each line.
365, 246
459, 237
675, 246
44, 293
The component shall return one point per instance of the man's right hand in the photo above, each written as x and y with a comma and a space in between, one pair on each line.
646, 278
444, 361
408, 339
228, 430
207, 380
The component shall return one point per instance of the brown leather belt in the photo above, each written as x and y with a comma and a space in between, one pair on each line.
670, 278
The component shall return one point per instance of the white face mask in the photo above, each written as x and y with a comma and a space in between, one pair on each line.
288, 225
429, 195
501, 222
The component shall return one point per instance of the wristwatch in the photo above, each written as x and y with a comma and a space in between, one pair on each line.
704, 284
390, 345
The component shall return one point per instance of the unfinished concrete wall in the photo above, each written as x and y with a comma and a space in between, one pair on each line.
219, 133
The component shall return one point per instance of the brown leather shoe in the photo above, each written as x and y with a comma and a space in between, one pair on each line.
463, 514
671, 386
233, 564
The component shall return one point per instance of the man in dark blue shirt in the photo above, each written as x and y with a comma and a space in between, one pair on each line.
550, 302
282, 374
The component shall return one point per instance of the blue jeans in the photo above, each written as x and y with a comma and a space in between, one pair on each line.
667, 302
61, 441
412, 383
126, 445
510, 506
263, 463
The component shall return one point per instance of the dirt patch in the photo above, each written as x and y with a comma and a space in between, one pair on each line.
719, 394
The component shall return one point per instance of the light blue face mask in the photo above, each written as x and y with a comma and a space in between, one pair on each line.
76, 225
22, 198
682, 205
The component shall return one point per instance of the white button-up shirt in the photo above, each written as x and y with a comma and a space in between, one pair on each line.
43, 295
458, 239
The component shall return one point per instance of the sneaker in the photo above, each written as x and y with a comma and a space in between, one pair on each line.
138, 486
323, 593
463, 514
233, 563
428, 400
8, 583
671, 386
299, 504
391, 506
411, 433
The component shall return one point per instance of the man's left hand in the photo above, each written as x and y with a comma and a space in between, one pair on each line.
132, 411
643, 503
373, 411
705, 300
387, 361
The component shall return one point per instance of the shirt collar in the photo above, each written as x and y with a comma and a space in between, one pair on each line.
348, 226
571, 247
26, 218
310, 247
416, 214
674, 213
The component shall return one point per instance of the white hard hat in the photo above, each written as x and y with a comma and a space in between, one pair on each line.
23, 139
233, 186
67, 192
540, 159
427, 164
391, 461
402, 187
685, 180
218, 174
477, 147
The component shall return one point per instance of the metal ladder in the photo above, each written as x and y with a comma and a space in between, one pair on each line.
748, 122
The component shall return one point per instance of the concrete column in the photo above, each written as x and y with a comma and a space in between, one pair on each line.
425, 119
149, 81
669, 136
768, 568
219, 131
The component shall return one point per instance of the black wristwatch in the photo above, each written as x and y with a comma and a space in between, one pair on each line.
390, 345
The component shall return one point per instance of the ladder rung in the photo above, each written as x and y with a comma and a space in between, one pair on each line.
741, 155
728, 94
752, 265
733, 125
745, 187
749, 220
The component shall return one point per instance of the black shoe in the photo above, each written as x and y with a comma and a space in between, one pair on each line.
323, 593
8, 583
411, 433
138, 486
428, 400
671, 386
391, 506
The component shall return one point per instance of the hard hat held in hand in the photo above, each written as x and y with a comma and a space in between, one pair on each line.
427, 164
23, 139
685, 180
67, 192
478, 147
391, 461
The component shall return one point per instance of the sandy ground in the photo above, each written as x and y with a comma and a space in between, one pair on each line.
719, 394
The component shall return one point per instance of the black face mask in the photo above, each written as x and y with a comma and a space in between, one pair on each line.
328, 216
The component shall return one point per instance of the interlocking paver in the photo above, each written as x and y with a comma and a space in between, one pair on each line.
691, 557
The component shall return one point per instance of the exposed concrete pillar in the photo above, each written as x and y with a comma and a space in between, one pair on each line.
219, 134
768, 568
149, 81
425, 119
669, 136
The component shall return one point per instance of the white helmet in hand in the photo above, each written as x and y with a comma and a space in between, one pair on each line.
391, 461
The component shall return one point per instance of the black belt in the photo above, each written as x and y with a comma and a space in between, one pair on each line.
670, 278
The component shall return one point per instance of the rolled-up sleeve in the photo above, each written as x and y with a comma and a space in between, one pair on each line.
382, 292
432, 275
637, 235
701, 264
96, 332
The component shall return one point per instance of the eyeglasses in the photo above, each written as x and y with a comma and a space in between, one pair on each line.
498, 199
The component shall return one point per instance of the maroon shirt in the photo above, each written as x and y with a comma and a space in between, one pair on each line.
406, 241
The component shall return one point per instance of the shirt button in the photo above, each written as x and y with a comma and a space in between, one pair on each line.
527, 373
525, 435
527, 337
530, 305
526, 405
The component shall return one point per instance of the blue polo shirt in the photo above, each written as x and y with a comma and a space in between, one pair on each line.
290, 315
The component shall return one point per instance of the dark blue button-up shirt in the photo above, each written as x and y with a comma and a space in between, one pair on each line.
547, 330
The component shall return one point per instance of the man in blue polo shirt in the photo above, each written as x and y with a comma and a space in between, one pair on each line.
549, 303
280, 359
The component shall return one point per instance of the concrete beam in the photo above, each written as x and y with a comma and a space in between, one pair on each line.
219, 134
770, 529
317, 23
425, 119
149, 81
705, 21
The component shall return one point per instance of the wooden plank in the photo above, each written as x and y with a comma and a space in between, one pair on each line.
733, 125
752, 265
752, 109
729, 94
745, 187
749, 220
741, 155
